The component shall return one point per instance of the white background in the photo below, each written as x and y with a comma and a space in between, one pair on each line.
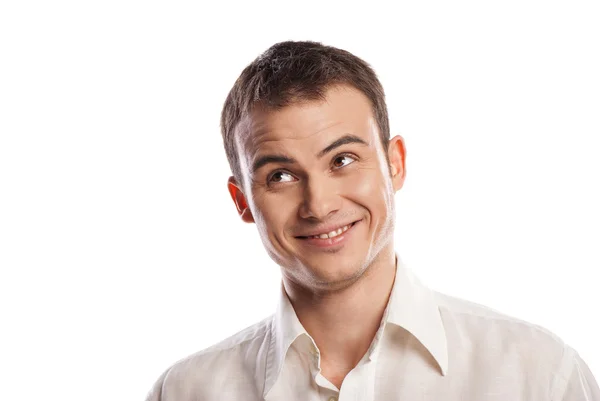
120, 250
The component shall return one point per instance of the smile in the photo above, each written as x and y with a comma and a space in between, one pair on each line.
333, 233
332, 239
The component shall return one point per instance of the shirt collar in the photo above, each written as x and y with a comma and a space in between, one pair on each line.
411, 306
284, 330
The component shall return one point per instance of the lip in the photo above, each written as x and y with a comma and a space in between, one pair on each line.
326, 229
330, 242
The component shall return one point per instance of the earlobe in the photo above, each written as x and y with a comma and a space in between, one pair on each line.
239, 199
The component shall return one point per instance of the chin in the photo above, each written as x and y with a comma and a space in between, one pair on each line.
331, 268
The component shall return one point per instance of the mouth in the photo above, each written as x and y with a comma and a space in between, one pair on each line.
331, 234
329, 239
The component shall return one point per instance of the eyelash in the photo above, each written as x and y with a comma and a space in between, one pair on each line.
349, 155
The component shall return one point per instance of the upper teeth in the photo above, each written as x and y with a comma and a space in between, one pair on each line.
333, 233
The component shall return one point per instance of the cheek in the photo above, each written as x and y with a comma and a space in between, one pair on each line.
369, 190
370, 187
274, 210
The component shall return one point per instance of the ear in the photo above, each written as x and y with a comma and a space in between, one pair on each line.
397, 157
239, 199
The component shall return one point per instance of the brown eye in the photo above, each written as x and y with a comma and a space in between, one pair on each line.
280, 176
342, 160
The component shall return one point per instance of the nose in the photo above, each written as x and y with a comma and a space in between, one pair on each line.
320, 199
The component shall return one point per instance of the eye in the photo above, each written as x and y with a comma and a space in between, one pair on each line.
281, 176
342, 161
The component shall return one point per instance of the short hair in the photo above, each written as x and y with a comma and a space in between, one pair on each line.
292, 72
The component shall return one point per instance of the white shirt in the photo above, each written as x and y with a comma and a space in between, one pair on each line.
429, 346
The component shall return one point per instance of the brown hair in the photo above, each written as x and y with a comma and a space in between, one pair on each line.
290, 72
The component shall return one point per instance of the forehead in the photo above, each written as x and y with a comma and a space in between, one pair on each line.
344, 110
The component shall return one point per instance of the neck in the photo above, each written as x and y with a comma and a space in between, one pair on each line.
343, 323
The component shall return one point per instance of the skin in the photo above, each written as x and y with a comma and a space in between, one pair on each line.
339, 294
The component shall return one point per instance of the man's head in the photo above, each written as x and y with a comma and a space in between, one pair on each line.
306, 133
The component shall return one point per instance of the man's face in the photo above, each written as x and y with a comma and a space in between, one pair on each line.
319, 168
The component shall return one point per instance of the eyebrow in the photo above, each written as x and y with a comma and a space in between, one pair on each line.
274, 158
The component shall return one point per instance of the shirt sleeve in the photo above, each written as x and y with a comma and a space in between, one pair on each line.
581, 385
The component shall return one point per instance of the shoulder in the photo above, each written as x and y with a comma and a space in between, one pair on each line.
240, 357
485, 322
485, 338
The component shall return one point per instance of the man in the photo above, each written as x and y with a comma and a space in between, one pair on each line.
306, 132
